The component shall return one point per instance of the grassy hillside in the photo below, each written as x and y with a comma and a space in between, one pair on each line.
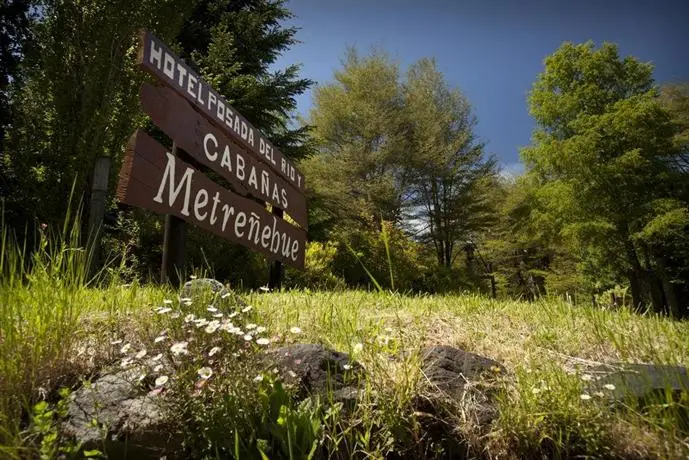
54, 332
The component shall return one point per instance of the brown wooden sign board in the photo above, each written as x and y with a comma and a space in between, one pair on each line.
154, 179
157, 59
211, 147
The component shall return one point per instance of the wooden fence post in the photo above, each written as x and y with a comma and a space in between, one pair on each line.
275, 273
97, 207
174, 247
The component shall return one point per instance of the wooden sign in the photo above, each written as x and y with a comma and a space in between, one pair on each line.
157, 59
154, 179
211, 147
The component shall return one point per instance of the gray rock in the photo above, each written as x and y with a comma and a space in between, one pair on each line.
314, 369
449, 370
115, 414
453, 377
640, 382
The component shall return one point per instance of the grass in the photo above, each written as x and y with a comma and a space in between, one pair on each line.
55, 331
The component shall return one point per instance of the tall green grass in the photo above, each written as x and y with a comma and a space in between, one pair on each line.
548, 347
41, 299
55, 329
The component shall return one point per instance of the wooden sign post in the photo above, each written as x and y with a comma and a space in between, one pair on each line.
213, 135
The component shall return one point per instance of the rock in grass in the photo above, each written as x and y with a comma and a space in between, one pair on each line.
448, 369
643, 383
451, 377
114, 413
314, 369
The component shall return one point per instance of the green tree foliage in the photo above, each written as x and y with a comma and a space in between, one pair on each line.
357, 122
527, 253
79, 98
233, 44
14, 33
603, 157
14, 30
398, 152
355, 180
446, 174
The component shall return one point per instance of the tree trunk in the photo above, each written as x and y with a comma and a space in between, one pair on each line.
669, 289
635, 278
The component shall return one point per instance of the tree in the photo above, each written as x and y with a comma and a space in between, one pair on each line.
357, 126
233, 44
80, 97
602, 156
14, 31
525, 249
447, 176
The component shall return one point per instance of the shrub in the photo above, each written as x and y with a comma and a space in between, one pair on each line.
318, 268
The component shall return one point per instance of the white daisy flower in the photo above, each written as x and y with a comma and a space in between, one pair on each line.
258, 378
247, 309
584, 397
167, 301
295, 330
159, 339
263, 341
158, 368
179, 348
213, 351
205, 373
157, 357
260, 329
211, 308
212, 327
162, 311
609, 386
162, 380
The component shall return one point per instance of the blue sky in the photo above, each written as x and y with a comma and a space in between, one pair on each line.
492, 50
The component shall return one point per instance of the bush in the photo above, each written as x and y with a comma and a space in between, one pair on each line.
318, 268
387, 258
